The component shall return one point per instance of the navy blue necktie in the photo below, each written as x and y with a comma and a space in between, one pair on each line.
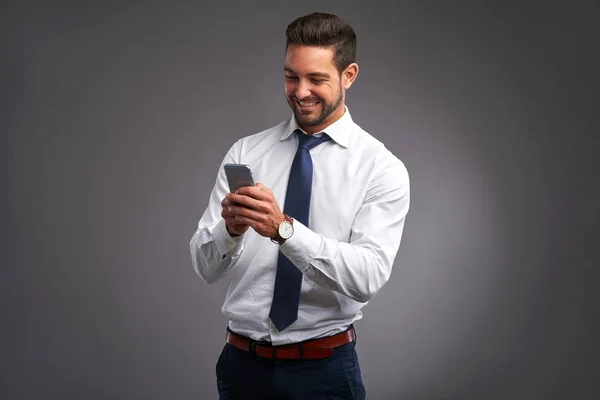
288, 279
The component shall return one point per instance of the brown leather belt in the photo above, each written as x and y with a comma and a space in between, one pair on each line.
313, 349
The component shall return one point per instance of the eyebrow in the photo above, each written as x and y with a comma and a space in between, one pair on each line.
312, 74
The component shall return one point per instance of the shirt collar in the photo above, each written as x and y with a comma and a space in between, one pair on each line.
339, 131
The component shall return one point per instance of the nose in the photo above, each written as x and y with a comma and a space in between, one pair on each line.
302, 89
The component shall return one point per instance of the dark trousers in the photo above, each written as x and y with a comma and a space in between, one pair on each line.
244, 376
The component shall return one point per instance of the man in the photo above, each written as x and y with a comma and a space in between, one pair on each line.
315, 238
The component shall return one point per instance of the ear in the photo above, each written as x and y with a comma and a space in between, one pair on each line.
349, 75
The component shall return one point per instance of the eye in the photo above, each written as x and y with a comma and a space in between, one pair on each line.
291, 78
318, 81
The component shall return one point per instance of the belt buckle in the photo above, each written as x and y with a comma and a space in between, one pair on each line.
255, 343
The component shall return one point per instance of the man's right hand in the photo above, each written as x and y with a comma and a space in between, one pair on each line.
234, 228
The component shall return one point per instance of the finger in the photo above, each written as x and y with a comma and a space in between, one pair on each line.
248, 213
256, 225
229, 212
264, 189
234, 221
227, 216
226, 205
247, 201
233, 211
235, 198
252, 191
228, 201
264, 193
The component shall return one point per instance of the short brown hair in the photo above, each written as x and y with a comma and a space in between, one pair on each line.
325, 30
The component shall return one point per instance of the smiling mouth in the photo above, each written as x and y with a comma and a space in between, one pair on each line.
307, 103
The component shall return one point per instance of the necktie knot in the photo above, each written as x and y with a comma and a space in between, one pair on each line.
308, 141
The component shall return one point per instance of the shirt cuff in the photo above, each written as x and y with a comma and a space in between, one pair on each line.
224, 241
302, 248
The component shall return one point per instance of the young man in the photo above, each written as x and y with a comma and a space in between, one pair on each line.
309, 245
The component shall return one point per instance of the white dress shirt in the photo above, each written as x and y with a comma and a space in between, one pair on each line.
359, 201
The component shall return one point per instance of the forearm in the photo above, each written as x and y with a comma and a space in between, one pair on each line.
213, 250
358, 269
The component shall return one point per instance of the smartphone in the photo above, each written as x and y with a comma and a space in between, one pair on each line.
238, 175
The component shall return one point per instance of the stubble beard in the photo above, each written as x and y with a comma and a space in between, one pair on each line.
326, 110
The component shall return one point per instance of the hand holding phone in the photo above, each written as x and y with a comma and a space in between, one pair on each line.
238, 175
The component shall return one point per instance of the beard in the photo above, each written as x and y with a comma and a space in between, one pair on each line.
327, 108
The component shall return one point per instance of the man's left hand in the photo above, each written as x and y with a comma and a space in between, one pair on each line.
257, 208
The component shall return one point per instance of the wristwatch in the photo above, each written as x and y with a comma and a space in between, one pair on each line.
284, 231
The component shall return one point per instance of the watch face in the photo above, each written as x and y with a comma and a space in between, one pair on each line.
286, 230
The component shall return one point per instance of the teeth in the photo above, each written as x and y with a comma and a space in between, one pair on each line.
307, 104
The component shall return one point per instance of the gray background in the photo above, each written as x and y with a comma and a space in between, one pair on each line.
116, 116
